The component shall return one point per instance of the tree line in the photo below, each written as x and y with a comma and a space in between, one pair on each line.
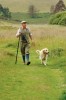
4, 12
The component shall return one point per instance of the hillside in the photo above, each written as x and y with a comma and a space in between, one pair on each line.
22, 5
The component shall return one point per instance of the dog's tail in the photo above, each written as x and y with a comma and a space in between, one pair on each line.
38, 51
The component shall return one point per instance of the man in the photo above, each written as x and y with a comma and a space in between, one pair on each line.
24, 34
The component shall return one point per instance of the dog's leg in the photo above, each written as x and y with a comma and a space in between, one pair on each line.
44, 62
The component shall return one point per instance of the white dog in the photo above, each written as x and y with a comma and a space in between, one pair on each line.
43, 54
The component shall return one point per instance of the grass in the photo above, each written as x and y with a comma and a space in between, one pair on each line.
41, 18
34, 82
22, 82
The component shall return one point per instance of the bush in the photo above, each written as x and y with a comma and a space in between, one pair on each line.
4, 13
62, 21
57, 52
58, 19
63, 96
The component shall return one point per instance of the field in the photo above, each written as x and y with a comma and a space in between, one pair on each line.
23, 5
34, 82
40, 18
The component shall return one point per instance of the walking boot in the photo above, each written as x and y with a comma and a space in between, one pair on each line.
23, 57
27, 59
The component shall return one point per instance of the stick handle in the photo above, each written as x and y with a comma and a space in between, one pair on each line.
17, 51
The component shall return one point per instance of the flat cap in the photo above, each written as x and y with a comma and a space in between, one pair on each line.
23, 22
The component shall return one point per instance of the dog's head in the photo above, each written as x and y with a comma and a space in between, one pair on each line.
45, 51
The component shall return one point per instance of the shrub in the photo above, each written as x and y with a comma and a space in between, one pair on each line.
63, 96
58, 18
4, 12
57, 52
62, 21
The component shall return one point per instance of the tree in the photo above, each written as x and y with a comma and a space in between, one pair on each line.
1, 8
4, 12
32, 11
60, 6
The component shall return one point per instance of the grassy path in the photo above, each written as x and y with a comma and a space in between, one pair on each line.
23, 82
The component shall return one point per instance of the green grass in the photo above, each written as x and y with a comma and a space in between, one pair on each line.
34, 82
40, 18
29, 82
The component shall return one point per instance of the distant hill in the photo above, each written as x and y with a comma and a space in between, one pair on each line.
22, 5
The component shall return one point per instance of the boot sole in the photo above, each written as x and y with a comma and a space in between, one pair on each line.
28, 63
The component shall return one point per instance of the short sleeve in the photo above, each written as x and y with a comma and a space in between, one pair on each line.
18, 32
29, 31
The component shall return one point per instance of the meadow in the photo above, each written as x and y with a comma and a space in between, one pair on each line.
40, 18
34, 82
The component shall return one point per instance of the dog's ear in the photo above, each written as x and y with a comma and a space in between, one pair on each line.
44, 52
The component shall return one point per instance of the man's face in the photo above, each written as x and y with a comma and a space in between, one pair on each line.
24, 25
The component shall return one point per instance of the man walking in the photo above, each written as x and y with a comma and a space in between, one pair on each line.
24, 34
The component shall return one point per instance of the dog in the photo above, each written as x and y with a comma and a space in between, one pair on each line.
43, 55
